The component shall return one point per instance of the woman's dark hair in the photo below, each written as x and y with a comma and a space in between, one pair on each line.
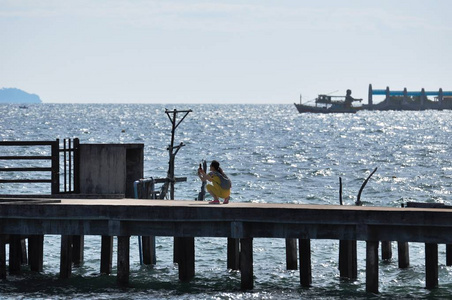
216, 165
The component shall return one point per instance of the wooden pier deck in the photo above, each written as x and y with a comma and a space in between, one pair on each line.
239, 221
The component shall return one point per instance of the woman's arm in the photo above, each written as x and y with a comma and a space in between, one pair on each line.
203, 176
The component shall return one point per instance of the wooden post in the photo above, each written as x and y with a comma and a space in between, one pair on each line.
36, 252
176, 249
106, 254
386, 250
23, 250
305, 262
66, 256
148, 243
186, 258
123, 260
291, 254
449, 255
15, 254
348, 261
2, 256
372, 266
78, 243
233, 254
246, 263
404, 254
431, 265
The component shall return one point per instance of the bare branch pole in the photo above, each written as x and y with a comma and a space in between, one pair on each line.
340, 190
358, 200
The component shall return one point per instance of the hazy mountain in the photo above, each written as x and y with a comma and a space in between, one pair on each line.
13, 95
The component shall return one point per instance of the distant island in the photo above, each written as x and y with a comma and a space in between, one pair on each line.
13, 95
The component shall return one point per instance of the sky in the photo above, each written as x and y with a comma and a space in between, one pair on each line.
223, 52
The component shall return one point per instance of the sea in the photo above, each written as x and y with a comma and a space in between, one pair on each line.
272, 154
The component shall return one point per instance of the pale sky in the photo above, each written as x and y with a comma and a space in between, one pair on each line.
132, 51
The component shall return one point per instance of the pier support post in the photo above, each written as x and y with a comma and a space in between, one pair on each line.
372, 266
403, 250
348, 261
23, 250
78, 244
449, 255
431, 266
2, 256
148, 243
246, 263
386, 250
123, 260
106, 254
233, 254
305, 262
66, 256
36, 252
291, 254
186, 258
15, 254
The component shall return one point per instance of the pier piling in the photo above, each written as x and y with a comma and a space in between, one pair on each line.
403, 250
2, 256
123, 260
291, 254
36, 252
66, 256
186, 261
305, 262
233, 260
15, 254
246, 263
386, 250
106, 254
372, 266
431, 266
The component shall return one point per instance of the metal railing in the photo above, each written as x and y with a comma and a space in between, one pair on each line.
70, 164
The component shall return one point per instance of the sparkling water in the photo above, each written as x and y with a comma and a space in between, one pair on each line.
272, 154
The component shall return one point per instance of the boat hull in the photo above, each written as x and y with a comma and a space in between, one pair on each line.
324, 110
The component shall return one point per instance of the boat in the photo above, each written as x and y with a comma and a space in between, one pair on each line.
325, 104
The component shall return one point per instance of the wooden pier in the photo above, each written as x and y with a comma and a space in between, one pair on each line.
239, 222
